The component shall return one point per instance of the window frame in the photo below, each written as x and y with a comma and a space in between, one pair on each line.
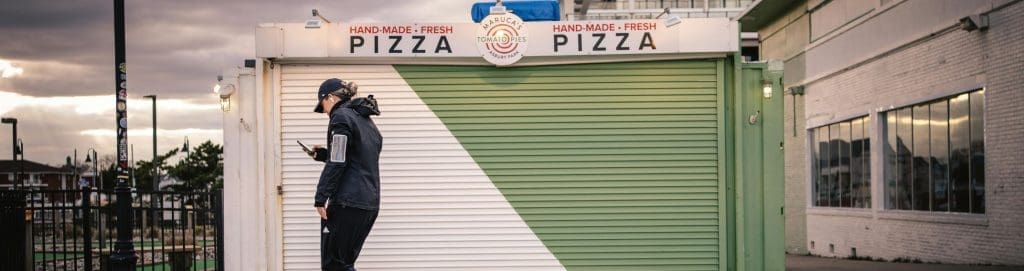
894, 210
878, 123
868, 130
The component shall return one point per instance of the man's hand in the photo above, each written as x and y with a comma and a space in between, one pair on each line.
322, 211
312, 152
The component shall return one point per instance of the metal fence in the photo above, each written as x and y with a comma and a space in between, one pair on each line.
58, 230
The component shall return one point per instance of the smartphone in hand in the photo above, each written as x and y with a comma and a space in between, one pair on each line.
304, 148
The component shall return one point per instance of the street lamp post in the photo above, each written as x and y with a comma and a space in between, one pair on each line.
78, 176
188, 153
154, 163
92, 156
123, 258
14, 143
21, 160
156, 168
131, 164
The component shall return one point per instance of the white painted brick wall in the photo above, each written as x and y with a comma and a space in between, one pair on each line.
994, 58
796, 175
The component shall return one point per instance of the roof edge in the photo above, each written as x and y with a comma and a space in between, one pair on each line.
762, 12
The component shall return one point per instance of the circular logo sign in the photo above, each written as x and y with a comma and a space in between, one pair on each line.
501, 38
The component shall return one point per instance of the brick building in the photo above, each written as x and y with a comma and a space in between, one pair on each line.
35, 175
904, 138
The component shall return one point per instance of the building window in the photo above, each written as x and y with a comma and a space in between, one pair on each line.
935, 155
842, 164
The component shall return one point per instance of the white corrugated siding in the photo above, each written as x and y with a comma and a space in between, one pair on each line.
439, 210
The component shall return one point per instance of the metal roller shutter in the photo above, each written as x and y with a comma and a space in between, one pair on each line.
578, 167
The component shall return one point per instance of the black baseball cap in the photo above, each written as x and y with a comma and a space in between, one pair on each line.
329, 86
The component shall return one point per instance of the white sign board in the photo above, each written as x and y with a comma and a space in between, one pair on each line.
406, 40
500, 39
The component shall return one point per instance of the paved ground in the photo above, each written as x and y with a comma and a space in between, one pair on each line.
811, 263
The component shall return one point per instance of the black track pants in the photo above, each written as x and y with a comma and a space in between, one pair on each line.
348, 228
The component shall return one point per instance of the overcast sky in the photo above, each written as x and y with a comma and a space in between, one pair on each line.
56, 64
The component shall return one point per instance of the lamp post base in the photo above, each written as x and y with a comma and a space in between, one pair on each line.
123, 259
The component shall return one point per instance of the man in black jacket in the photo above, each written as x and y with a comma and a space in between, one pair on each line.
350, 181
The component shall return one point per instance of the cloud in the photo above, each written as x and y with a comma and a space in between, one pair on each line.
102, 104
62, 81
173, 47
8, 70
147, 133
53, 127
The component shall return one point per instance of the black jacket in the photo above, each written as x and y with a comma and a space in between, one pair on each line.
351, 175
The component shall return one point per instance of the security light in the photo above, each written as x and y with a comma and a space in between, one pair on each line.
225, 97
224, 91
498, 8
671, 20
317, 21
797, 90
974, 22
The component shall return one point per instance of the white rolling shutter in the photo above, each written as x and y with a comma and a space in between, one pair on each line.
439, 210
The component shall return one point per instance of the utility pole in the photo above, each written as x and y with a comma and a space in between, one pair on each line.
123, 258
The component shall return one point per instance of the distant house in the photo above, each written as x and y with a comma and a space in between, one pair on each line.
35, 175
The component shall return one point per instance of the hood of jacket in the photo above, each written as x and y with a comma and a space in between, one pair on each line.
364, 106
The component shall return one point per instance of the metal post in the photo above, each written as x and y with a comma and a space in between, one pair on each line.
188, 154
21, 161
29, 255
155, 164
13, 150
218, 200
97, 180
95, 169
14, 145
156, 169
123, 258
87, 225
131, 163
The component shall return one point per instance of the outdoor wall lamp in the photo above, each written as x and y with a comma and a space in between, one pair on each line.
225, 92
772, 74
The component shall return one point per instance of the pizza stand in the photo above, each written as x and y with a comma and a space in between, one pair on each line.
512, 145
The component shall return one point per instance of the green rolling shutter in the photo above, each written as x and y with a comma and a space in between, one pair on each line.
613, 166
